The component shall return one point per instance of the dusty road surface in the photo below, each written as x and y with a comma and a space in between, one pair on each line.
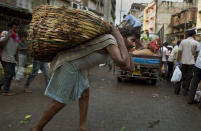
127, 106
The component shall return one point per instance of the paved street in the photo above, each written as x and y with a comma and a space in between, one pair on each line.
127, 106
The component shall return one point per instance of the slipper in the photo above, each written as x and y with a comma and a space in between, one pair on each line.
8, 94
27, 91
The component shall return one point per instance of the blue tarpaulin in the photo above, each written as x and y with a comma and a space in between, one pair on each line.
145, 60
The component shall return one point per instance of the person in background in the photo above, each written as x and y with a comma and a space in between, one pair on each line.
147, 32
9, 41
171, 60
169, 50
196, 79
164, 51
37, 65
186, 61
22, 57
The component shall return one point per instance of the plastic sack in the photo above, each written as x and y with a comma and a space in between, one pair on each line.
177, 75
197, 96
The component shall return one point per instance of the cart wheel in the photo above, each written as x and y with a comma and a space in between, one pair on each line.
119, 79
153, 82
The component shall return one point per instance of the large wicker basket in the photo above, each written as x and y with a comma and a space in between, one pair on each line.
53, 29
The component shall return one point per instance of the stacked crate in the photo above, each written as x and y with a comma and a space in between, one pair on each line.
175, 20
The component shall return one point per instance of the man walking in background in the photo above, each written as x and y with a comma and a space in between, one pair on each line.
37, 65
22, 57
171, 60
9, 42
164, 51
186, 60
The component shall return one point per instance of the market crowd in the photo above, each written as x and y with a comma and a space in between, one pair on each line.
186, 54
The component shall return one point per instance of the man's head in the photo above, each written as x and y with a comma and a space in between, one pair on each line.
13, 26
178, 42
191, 33
165, 44
124, 16
129, 34
147, 32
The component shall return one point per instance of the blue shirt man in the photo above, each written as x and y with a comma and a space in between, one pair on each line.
132, 21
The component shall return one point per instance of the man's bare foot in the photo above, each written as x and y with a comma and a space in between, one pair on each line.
26, 90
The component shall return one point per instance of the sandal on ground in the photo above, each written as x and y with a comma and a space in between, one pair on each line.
27, 91
8, 94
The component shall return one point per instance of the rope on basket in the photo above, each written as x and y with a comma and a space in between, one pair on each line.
45, 10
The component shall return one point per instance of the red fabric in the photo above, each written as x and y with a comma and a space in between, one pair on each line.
15, 37
154, 45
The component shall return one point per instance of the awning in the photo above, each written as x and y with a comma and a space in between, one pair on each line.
15, 11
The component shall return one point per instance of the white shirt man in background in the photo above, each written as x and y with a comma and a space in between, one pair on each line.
196, 79
164, 51
171, 60
186, 60
9, 41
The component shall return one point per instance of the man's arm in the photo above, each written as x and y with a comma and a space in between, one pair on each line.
179, 56
123, 23
4, 39
21, 49
166, 54
197, 50
180, 48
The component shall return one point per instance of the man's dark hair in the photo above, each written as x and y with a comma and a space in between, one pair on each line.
128, 31
178, 42
191, 32
11, 24
124, 16
165, 44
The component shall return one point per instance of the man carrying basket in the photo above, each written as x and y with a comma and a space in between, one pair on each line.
69, 80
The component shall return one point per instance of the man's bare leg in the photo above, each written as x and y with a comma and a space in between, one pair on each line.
83, 107
52, 109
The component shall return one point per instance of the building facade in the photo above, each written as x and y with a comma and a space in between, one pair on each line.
103, 8
149, 18
137, 8
158, 14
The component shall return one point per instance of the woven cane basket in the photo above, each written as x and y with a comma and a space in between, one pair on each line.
54, 29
